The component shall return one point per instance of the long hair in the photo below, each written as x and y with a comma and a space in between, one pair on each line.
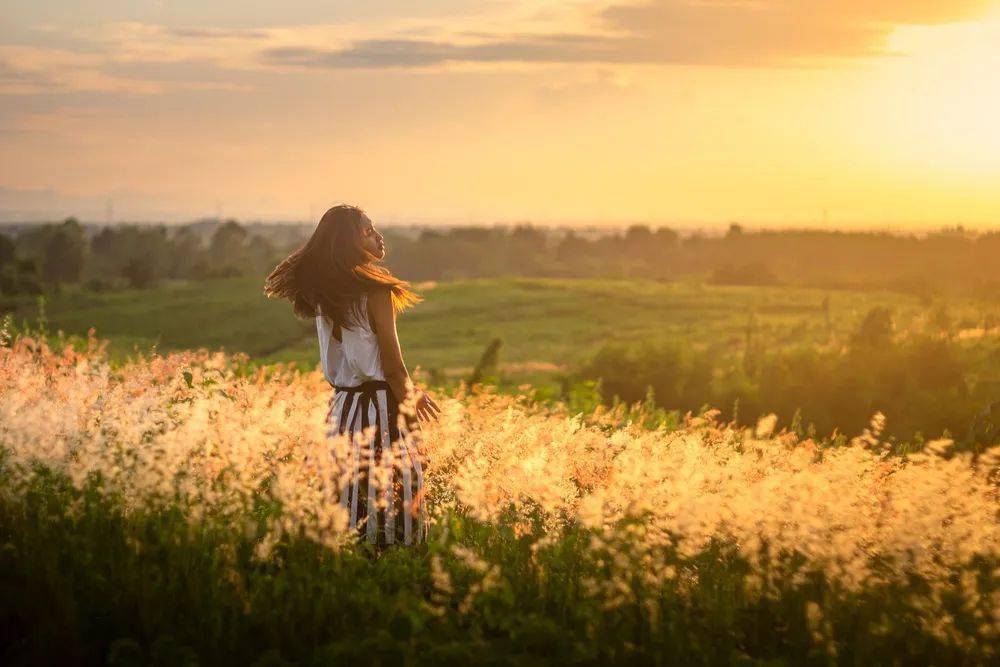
331, 272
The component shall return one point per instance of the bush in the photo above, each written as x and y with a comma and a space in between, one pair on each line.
20, 277
923, 385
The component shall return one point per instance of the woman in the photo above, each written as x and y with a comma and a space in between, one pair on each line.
337, 278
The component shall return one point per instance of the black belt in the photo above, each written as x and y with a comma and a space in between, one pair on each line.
365, 387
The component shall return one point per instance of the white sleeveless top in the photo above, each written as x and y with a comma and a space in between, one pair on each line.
353, 359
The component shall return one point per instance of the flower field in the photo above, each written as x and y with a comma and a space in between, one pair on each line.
182, 509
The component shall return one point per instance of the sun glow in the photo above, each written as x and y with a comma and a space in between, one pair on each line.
880, 113
947, 93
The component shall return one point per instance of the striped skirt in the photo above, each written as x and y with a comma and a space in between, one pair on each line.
384, 489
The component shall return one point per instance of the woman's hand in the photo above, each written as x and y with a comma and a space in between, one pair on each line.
426, 408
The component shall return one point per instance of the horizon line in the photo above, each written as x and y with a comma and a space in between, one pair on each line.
608, 225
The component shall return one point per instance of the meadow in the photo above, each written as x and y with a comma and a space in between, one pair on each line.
180, 509
544, 324
933, 368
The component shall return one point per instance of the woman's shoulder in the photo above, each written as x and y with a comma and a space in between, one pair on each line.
379, 306
378, 295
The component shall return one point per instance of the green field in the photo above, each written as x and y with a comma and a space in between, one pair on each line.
786, 350
540, 321
137, 497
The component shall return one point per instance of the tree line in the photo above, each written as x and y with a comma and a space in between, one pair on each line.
40, 258
944, 261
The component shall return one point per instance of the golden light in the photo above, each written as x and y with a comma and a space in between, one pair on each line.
943, 91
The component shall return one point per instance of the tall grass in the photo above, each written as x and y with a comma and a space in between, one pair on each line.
182, 509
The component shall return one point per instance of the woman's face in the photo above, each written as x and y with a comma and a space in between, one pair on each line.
371, 240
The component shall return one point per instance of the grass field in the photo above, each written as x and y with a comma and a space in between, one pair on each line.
542, 323
137, 496
175, 511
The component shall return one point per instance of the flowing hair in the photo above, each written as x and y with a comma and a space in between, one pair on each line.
331, 272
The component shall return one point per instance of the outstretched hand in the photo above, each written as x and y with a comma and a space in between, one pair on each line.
426, 408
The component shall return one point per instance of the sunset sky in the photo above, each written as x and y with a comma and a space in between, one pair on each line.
846, 113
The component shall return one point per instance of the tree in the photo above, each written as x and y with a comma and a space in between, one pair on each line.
228, 247
571, 247
7, 248
187, 253
638, 234
638, 239
62, 258
666, 237
260, 253
139, 254
20, 277
875, 331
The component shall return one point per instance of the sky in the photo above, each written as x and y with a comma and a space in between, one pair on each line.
773, 113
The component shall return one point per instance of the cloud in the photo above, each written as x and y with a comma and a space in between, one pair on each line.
141, 58
705, 32
215, 33
181, 74
559, 48
17, 79
750, 32
30, 70
127, 64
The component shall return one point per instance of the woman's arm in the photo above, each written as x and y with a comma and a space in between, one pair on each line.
384, 318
